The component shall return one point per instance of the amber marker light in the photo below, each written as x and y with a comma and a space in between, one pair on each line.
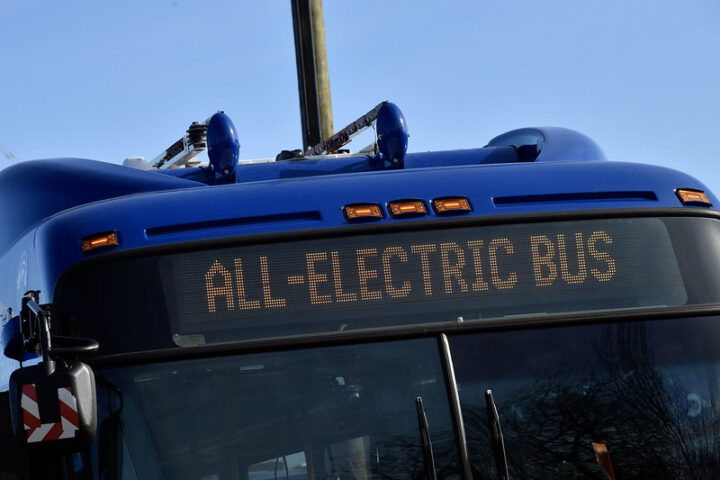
99, 240
689, 196
451, 206
363, 211
407, 208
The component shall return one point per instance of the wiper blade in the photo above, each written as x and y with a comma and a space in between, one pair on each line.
425, 440
496, 436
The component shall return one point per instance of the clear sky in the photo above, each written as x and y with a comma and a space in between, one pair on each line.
110, 79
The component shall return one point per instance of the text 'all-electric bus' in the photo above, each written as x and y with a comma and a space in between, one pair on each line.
527, 309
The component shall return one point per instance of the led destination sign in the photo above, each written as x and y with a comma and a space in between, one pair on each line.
424, 276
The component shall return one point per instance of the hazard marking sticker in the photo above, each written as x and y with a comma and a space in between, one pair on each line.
43, 432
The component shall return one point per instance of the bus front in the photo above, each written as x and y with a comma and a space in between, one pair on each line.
307, 327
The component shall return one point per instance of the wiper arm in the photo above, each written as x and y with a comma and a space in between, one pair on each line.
425, 439
496, 436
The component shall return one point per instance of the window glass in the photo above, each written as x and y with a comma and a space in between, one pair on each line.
648, 391
285, 467
332, 413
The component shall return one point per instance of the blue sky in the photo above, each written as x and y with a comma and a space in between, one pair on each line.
111, 79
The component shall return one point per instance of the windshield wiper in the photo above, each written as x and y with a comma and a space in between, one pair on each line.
425, 440
496, 437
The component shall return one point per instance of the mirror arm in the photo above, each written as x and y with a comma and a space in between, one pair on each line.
41, 327
77, 345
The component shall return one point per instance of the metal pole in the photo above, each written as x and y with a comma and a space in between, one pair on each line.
313, 78
321, 69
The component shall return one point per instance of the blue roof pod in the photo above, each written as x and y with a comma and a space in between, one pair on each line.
523, 145
223, 149
541, 144
392, 135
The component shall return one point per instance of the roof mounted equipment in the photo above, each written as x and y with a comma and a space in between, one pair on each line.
182, 152
391, 139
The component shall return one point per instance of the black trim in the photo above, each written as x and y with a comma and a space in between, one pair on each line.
405, 332
570, 197
455, 407
232, 222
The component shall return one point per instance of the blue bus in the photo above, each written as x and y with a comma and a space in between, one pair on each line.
528, 309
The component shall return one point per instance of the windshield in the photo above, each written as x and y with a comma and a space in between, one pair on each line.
336, 413
458, 274
647, 392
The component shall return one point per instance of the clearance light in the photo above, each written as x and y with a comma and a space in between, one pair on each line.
363, 211
99, 240
693, 197
451, 206
407, 208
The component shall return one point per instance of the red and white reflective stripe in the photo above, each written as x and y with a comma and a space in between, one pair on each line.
41, 432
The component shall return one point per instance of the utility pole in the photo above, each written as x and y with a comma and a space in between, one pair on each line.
312, 68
